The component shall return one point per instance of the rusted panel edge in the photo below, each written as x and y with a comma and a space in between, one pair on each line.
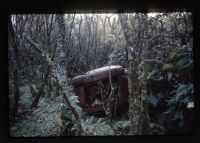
87, 78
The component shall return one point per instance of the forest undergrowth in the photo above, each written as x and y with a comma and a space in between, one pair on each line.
46, 51
51, 117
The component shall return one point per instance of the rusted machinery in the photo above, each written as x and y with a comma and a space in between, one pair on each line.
94, 89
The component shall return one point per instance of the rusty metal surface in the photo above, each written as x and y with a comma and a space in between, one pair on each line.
122, 106
86, 87
97, 74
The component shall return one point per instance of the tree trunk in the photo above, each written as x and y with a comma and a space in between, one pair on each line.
12, 41
37, 97
58, 67
144, 116
134, 104
145, 124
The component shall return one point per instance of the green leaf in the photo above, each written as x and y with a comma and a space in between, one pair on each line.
155, 76
122, 124
153, 100
99, 120
151, 74
179, 62
172, 57
91, 119
168, 67
74, 99
154, 61
185, 62
100, 128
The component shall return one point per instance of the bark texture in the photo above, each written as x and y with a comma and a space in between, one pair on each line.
15, 60
134, 104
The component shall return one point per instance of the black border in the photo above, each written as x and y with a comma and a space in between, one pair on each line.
34, 6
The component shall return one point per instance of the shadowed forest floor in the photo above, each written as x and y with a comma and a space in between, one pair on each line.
46, 120
41, 121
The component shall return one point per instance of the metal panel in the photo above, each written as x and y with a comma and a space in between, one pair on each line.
92, 79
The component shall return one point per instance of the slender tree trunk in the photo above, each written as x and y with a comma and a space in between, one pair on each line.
58, 67
134, 104
12, 41
144, 116
143, 69
37, 97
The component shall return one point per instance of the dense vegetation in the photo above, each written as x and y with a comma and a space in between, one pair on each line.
45, 51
